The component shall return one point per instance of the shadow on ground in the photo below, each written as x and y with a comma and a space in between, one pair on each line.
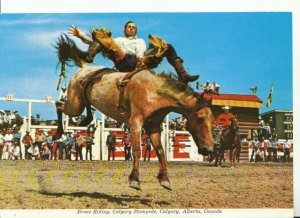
120, 200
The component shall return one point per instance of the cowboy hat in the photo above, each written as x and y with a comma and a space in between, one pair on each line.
226, 107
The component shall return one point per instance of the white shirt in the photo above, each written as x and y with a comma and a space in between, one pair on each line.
8, 137
34, 151
6, 118
132, 45
63, 138
15, 150
287, 145
12, 116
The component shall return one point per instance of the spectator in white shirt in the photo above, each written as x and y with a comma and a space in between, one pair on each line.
7, 143
14, 152
34, 152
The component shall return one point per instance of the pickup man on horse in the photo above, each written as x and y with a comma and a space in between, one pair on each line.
230, 139
224, 117
129, 52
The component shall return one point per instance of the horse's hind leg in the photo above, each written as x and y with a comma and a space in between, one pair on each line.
89, 117
73, 106
155, 137
59, 111
234, 155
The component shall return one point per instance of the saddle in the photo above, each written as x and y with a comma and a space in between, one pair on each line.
94, 76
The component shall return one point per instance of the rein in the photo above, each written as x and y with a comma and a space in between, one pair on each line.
122, 85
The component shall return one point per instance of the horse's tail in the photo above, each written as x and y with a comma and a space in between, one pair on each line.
68, 53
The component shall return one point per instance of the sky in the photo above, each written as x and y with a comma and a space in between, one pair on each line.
237, 50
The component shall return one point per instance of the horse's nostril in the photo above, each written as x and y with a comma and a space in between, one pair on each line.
204, 151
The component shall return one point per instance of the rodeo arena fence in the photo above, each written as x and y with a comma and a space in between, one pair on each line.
178, 144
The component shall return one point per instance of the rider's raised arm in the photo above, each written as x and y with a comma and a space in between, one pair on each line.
74, 31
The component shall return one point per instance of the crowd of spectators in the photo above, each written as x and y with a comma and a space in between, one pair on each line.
40, 145
267, 150
10, 119
178, 124
266, 146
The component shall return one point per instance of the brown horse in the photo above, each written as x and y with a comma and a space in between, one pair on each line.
148, 99
230, 140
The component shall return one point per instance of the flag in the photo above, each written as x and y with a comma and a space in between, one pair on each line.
269, 100
254, 90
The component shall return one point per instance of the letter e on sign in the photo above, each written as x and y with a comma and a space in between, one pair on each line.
9, 97
48, 99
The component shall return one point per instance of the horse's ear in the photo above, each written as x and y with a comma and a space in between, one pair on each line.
201, 100
203, 113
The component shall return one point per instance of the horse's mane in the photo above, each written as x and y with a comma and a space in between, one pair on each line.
172, 87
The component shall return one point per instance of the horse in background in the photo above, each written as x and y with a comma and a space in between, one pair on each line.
230, 140
148, 98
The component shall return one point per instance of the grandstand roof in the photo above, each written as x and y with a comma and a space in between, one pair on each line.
235, 100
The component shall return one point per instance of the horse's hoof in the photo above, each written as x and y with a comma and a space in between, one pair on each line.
166, 185
135, 185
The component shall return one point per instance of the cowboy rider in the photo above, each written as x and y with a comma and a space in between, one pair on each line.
224, 117
129, 52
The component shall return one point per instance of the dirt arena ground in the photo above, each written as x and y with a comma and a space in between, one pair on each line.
99, 184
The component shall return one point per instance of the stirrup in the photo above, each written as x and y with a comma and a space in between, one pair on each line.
123, 82
121, 109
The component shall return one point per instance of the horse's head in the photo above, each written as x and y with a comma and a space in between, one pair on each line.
199, 124
233, 123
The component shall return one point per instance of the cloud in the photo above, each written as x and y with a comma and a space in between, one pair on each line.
31, 21
42, 38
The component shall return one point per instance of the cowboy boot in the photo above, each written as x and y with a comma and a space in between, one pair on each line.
109, 47
94, 48
182, 74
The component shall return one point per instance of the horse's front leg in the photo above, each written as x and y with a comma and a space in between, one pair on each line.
163, 173
155, 137
217, 157
135, 133
221, 154
234, 154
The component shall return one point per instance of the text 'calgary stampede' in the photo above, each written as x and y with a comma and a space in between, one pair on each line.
151, 211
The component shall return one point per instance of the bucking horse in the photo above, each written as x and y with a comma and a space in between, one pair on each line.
148, 98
